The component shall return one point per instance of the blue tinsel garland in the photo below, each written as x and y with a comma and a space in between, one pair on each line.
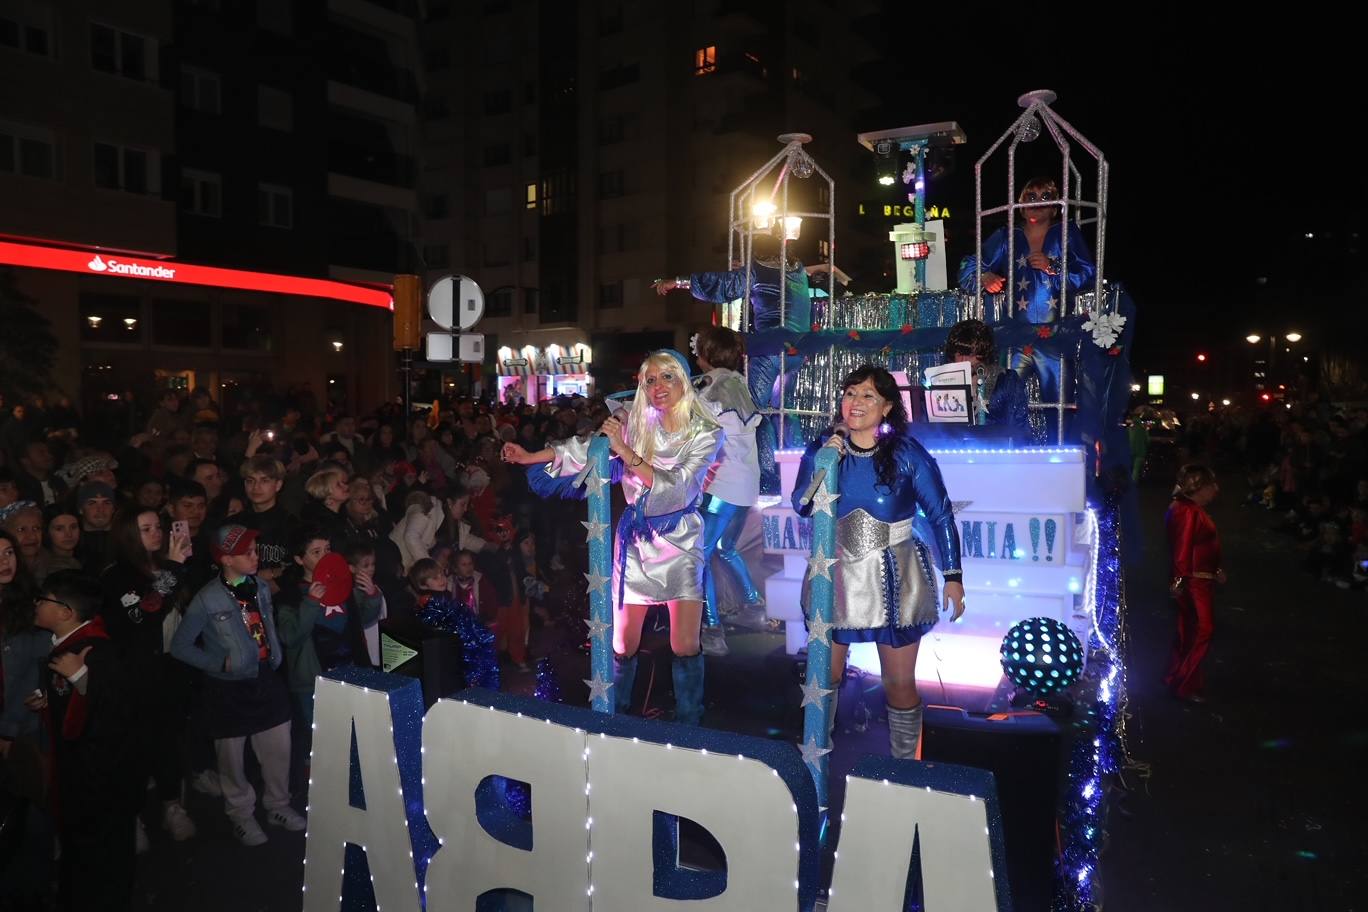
444, 613
1099, 755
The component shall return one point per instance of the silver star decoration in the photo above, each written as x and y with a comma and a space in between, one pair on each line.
819, 631
820, 565
1021, 303
812, 754
1022, 261
596, 580
814, 695
822, 501
595, 484
596, 529
959, 506
598, 688
1053, 301
598, 628
1024, 284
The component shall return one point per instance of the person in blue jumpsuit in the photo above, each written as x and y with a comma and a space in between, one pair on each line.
1042, 279
884, 576
763, 294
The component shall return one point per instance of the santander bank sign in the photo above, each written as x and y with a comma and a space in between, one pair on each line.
122, 267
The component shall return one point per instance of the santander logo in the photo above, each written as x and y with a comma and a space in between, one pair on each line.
97, 264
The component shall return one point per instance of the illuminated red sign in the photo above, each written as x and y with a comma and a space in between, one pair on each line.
113, 264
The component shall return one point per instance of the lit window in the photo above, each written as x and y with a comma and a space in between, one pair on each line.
531, 202
705, 60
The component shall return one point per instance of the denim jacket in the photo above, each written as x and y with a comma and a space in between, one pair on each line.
214, 618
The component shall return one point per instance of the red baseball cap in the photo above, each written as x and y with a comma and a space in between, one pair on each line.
233, 541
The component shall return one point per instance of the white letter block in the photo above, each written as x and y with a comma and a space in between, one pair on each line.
880, 821
741, 802
381, 829
462, 744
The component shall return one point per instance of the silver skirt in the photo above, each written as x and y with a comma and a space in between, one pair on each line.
882, 576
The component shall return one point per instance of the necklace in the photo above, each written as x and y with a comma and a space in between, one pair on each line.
860, 452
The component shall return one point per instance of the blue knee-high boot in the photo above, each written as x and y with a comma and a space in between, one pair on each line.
624, 680
687, 672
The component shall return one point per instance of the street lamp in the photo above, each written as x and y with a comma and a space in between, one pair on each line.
1196, 396
1293, 337
1253, 338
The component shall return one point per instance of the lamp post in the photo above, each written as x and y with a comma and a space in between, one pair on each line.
1292, 337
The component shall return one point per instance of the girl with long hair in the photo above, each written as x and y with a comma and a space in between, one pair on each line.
663, 452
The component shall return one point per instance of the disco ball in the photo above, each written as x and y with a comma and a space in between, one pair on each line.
1042, 655
1029, 129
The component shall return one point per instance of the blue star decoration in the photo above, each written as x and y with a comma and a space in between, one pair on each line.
598, 688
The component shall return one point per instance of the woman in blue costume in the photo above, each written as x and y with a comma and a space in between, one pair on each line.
662, 456
1042, 279
885, 587
1006, 405
763, 296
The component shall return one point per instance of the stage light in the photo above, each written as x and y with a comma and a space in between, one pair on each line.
763, 214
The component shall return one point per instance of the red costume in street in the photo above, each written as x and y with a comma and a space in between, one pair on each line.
1195, 553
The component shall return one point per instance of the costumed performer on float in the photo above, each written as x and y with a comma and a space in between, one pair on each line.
885, 588
763, 296
664, 451
1042, 280
999, 393
734, 485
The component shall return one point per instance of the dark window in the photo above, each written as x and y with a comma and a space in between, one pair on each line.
531, 300
618, 76
500, 102
121, 53
611, 184
436, 256
497, 154
247, 327
610, 295
181, 324
499, 303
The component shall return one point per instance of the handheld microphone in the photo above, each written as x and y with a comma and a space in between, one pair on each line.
820, 475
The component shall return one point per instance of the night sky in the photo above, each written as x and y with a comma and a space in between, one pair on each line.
1227, 149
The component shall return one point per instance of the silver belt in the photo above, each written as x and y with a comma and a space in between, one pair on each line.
858, 534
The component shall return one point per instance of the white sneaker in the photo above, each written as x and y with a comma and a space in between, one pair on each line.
714, 641
206, 782
176, 822
248, 831
286, 819
140, 837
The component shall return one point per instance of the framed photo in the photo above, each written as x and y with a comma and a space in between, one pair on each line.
949, 405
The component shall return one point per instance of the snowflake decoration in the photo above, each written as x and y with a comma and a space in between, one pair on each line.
1105, 329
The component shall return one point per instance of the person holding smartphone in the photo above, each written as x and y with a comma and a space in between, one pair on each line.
139, 593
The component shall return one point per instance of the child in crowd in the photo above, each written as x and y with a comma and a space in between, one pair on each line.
229, 633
